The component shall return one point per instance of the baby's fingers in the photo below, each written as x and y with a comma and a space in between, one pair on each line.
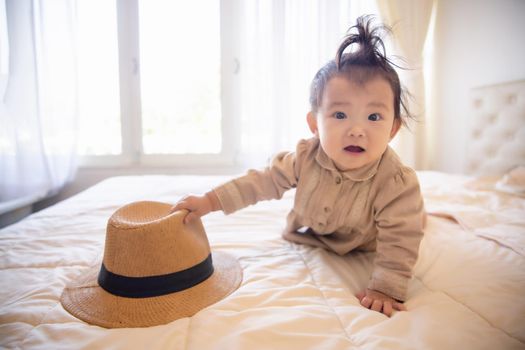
186, 202
366, 302
377, 305
399, 306
179, 206
190, 217
387, 308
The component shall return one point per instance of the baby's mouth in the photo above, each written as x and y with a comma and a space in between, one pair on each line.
354, 149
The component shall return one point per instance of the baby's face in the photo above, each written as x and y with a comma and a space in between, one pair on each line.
355, 122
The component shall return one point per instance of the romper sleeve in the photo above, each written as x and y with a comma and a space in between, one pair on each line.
269, 183
399, 216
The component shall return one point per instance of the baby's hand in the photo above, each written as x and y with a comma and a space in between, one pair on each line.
379, 302
197, 206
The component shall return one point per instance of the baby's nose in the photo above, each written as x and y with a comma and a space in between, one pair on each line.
356, 131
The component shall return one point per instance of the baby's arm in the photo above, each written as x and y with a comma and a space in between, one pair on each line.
197, 206
399, 213
256, 185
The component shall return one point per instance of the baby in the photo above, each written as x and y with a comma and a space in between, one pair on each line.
352, 191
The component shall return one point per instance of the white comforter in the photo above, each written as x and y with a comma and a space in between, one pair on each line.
468, 291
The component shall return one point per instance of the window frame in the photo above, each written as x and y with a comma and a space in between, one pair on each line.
130, 98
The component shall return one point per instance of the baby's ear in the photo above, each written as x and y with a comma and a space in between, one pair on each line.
395, 127
311, 118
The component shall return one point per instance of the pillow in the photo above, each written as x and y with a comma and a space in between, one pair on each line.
513, 182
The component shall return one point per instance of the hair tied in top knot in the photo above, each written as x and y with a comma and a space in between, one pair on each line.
369, 47
365, 58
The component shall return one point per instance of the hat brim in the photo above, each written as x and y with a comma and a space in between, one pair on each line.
86, 300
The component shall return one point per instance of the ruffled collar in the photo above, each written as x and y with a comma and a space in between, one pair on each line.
364, 173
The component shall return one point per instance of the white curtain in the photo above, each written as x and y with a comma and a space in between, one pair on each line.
4, 51
282, 45
38, 114
410, 20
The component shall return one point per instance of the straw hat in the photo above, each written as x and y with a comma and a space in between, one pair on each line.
155, 270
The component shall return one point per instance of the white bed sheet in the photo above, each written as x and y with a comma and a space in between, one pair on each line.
467, 293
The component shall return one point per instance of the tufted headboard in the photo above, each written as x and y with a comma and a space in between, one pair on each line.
496, 142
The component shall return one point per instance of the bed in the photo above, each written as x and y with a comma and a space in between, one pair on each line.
468, 290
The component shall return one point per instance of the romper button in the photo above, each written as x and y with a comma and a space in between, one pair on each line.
338, 180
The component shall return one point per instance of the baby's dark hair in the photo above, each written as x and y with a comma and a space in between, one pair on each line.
367, 61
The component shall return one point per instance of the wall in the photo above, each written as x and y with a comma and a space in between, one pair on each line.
477, 42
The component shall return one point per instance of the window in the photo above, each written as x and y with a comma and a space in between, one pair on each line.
180, 76
98, 77
150, 81
202, 82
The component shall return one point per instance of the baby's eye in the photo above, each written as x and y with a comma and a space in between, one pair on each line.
339, 115
374, 117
